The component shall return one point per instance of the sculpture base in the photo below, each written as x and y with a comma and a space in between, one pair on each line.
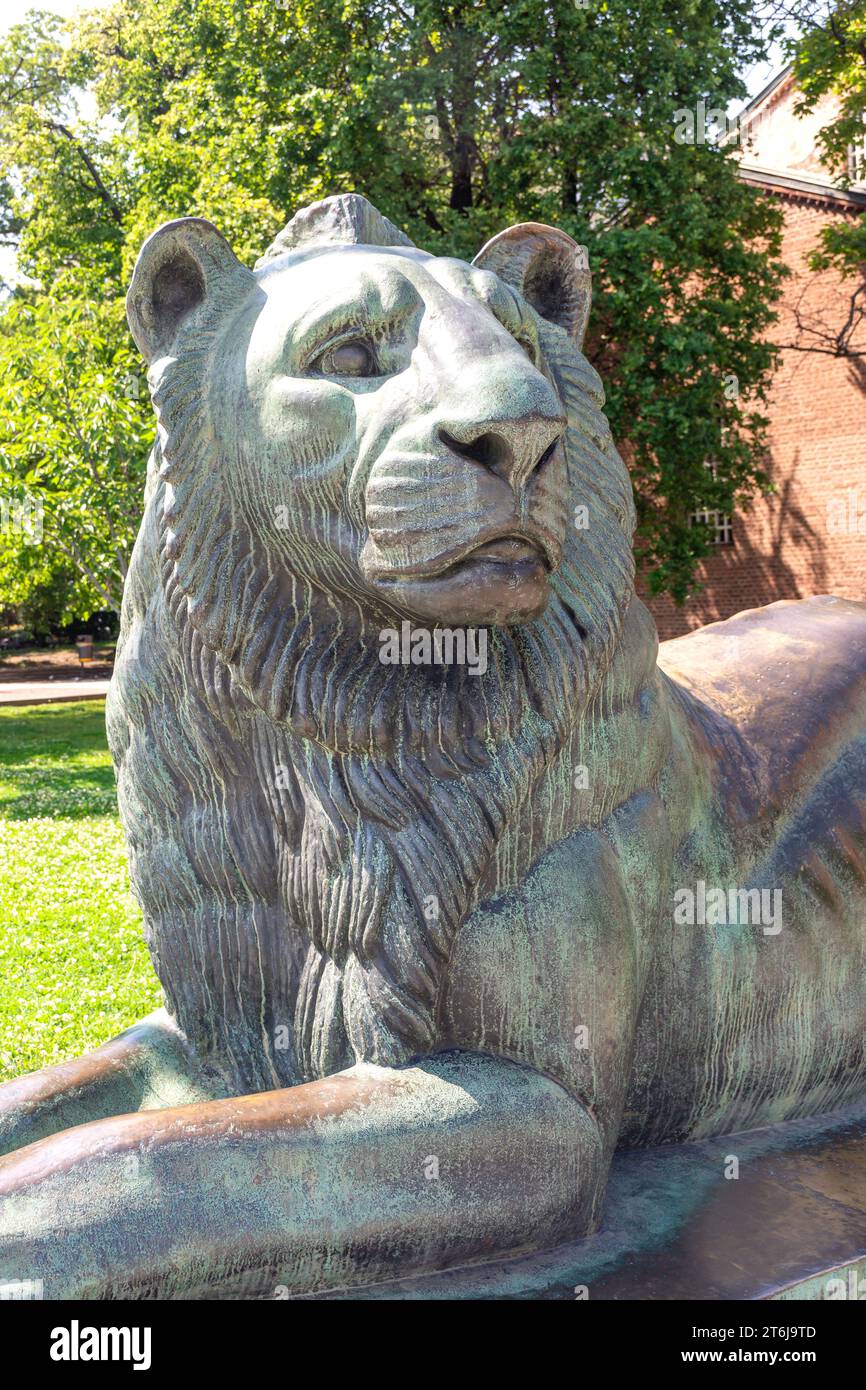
791, 1225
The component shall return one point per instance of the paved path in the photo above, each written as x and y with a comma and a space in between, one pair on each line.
51, 692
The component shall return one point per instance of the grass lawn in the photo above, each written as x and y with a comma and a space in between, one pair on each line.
74, 969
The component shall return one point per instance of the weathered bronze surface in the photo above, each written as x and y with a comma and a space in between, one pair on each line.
455, 883
792, 1224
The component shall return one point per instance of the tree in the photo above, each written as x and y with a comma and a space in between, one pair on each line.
74, 419
75, 425
455, 119
830, 59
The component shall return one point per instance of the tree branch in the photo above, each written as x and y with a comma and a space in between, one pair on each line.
71, 551
101, 188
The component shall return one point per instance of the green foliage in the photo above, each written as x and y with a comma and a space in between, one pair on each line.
29, 580
43, 600
830, 59
75, 426
456, 119
72, 958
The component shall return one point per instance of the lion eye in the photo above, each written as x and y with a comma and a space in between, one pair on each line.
355, 358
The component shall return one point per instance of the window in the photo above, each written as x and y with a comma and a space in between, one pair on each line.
721, 532
719, 524
857, 161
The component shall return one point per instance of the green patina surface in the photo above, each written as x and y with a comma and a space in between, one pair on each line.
434, 468
674, 1227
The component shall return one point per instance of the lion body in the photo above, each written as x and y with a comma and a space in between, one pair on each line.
725, 1034
582, 893
342, 862
763, 783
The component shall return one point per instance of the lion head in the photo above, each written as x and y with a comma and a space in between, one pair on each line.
357, 432
353, 436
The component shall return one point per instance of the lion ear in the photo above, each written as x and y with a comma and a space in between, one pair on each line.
177, 268
549, 269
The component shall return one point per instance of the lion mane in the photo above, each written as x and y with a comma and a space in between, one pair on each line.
308, 828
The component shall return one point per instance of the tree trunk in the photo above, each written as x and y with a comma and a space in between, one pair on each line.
461, 173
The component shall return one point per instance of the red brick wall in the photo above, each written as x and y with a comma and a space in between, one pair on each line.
807, 538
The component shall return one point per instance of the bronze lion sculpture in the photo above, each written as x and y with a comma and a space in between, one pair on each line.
436, 937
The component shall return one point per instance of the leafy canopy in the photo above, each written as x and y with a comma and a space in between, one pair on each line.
455, 119
830, 60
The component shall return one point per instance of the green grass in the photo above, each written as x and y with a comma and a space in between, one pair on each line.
74, 969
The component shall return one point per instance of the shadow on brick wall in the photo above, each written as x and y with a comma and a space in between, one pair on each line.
777, 555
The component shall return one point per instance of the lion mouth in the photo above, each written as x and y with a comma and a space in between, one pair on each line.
507, 550
502, 579
501, 576
513, 549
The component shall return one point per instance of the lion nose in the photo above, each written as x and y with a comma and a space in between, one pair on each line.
513, 449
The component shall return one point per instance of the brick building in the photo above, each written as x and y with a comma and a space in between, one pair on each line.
810, 536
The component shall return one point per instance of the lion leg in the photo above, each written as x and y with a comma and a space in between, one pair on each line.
147, 1067
351, 1179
